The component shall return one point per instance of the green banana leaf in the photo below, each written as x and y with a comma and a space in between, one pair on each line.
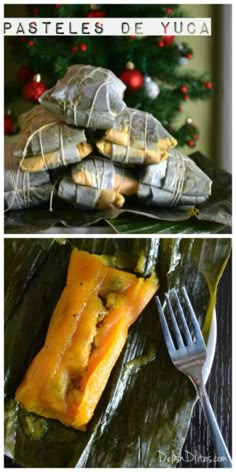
145, 410
212, 216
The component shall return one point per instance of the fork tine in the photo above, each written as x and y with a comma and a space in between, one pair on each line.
186, 331
196, 327
177, 333
165, 329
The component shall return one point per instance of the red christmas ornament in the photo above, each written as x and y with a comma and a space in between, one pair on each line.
24, 73
74, 48
57, 5
36, 11
168, 40
169, 11
22, 39
208, 85
186, 97
83, 47
161, 44
31, 43
180, 109
189, 55
191, 143
34, 88
196, 136
132, 78
184, 88
8, 124
96, 14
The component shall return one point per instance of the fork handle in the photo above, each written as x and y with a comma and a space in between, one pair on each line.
220, 446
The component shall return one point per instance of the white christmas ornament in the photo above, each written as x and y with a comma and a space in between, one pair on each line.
183, 61
152, 88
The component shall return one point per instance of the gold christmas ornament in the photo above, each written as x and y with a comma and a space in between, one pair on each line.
94, 6
130, 65
37, 78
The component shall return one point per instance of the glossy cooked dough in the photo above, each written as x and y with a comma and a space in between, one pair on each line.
86, 334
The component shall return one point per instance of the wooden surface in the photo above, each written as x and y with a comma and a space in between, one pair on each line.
199, 442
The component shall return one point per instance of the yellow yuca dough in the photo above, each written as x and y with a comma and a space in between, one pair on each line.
52, 159
126, 185
123, 184
124, 139
146, 157
83, 177
110, 199
84, 149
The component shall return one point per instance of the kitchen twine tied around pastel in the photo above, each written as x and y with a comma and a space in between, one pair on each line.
179, 180
78, 85
16, 179
128, 146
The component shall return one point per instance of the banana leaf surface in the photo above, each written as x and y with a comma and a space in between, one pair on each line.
145, 410
213, 216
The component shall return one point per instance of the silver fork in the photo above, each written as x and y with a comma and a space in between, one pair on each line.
188, 354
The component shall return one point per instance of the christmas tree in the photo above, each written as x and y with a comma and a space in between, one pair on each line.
149, 66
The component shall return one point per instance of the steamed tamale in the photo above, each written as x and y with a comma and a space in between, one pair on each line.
97, 183
175, 181
23, 189
46, 143
86, 334
86, 96
136, 138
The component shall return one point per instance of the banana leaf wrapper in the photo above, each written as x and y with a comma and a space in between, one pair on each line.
136, 138
175, 181
23, 189
86, 96
215, 215
46, 143
147, 405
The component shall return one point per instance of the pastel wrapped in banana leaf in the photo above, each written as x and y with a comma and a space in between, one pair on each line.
86, 96
46, 143
23, 189
97, 183
86, 335
136, 138
175, 181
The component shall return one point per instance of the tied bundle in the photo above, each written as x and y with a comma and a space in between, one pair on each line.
87, 96
136, 138
24, 189
104, 151
47, 143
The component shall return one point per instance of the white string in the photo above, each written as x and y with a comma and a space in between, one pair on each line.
28, 189
96, 174
24, 191
15, 189
62, 144
131, 115
38, 130
179, 180
77, 88
103, 174
52, 194
41, 148
95, 97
